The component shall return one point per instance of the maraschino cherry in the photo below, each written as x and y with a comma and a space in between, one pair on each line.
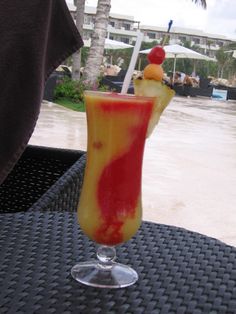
156, 55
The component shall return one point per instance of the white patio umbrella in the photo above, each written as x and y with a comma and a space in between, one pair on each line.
115, 44
110, 44
180, 52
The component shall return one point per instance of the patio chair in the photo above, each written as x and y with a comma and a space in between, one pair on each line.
45, 179
204, 89
231, 95
185, 90
112, 83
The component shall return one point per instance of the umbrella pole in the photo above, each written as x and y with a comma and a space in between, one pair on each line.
194, 66
174, 70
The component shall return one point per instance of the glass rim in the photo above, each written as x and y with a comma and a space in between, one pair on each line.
116, 95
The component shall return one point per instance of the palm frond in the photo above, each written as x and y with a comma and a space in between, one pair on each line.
202, 2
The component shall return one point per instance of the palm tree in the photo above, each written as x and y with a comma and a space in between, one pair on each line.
95, 57
229, 65
222, 59
208, 44
201, 2
80, 6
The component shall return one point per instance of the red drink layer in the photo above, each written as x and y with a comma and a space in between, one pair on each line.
110, 204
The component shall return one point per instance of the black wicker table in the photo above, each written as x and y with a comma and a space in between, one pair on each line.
179, 271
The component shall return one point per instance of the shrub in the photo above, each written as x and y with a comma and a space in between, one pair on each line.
74, 90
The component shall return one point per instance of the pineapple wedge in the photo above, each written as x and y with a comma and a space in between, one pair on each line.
163, 94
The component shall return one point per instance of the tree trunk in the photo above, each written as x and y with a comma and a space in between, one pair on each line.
80, 5
95, 57
222, 72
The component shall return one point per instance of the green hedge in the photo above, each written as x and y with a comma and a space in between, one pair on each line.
69, 89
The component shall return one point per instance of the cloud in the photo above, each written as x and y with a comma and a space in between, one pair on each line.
224, 9
221, 17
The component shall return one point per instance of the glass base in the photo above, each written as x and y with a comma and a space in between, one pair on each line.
97, 274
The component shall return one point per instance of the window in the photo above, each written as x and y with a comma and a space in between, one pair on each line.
151, 35
126, 26
159, 35
112, 23
87, 35
88, 19
220, 43
183, 38
124, 40
196, 40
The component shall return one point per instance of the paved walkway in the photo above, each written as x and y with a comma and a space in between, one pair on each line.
189, 170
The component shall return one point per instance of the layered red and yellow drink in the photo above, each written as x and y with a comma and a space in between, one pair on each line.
110, 203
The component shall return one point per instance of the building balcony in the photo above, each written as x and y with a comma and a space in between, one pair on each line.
89, 27
121, 31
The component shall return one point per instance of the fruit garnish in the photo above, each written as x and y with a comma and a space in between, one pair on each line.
163, 94
153, 72
152, 85
156, 55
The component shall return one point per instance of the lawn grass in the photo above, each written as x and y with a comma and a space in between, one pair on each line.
70, 104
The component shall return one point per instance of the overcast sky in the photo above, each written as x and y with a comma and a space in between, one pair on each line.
218, 18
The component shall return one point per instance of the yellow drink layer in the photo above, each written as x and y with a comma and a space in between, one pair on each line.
110, 209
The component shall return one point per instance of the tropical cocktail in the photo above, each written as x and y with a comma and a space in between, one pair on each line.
110, 208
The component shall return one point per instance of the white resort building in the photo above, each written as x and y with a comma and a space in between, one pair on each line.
124, 28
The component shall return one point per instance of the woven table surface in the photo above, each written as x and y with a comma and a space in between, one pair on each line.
179, 271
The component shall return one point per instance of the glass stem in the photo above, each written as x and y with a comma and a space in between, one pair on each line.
106, 255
